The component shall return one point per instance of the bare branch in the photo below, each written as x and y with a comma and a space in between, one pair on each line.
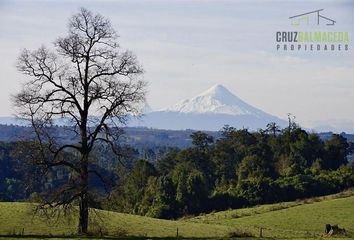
91, 82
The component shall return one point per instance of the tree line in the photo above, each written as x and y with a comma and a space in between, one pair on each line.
240, 169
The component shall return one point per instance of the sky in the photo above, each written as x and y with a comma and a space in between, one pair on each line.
186, 47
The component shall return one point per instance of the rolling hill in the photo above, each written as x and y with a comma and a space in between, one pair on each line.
295, 220
17, 217
298, 219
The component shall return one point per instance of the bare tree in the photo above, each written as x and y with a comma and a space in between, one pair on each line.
88, 80
273, 128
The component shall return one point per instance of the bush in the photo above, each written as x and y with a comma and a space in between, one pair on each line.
239, 234
224, 201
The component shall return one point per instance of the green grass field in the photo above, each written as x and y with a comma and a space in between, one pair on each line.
293, 220
303, 219
17, 216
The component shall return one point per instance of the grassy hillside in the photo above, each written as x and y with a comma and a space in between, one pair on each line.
17, 216
299, 219
304, 219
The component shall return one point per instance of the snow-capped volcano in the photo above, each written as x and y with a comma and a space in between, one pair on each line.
218, 100
210, 110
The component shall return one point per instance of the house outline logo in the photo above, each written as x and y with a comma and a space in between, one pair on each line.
304, 17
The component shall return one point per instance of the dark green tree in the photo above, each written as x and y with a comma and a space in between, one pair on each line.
191, 188
201, 140
159, 198
137, 181
336, 151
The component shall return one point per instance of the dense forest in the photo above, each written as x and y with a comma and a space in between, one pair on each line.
238, 168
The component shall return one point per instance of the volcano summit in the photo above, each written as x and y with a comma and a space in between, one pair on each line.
210, 110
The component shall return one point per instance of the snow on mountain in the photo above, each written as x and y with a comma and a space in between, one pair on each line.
210, 110
218, 100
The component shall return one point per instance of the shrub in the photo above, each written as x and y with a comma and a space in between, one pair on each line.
239, 234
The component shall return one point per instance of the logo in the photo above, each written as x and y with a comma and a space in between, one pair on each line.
315, 16
312, 41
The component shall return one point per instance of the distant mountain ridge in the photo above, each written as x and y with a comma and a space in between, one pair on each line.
210, 110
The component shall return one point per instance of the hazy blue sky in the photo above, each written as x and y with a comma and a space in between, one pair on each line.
188, 46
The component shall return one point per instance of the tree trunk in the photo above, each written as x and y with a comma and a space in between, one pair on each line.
84, 213
84, 208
